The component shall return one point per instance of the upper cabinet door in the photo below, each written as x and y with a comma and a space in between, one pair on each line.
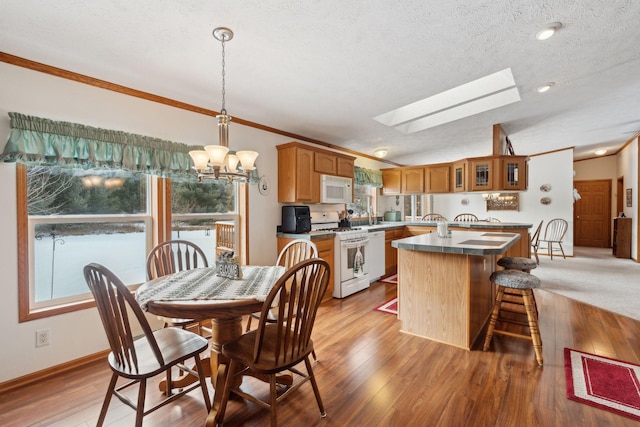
345, 167
459, 178
325, 163
391, 181
513, 173
481, 174
412, 180
437, 179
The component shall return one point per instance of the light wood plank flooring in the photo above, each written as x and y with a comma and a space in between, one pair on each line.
370, 374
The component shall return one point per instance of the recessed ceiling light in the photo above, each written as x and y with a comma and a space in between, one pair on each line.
380, 152
548, 31
545, 87
600, 152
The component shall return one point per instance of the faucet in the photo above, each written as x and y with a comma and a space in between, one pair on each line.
372, 218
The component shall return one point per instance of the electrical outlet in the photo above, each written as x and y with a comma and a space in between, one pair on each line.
42, 337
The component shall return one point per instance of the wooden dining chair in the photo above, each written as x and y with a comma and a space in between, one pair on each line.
292, 253
277, 347
433, 217
138, 358
535, 241
465, 217
553, 234
171, 257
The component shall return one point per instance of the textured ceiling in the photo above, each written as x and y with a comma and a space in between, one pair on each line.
325, 69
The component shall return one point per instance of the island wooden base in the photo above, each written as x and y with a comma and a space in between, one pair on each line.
443, 296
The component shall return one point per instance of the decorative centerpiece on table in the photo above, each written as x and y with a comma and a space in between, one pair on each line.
228, 265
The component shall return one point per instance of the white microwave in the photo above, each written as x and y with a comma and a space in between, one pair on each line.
335, 189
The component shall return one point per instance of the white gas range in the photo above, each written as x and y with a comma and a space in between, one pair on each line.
351, 266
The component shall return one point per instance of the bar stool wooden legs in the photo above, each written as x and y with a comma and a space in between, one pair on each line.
516, 285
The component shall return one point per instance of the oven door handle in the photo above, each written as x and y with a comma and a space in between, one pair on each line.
354, 243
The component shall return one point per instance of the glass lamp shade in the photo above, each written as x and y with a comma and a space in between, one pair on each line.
200, 159
247, 159
217, 154
232, 163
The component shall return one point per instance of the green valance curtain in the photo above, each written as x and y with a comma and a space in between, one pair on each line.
370, 177
36, 140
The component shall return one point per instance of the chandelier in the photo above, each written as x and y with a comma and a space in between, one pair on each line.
216, 161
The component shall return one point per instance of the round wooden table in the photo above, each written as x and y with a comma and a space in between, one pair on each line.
226, 325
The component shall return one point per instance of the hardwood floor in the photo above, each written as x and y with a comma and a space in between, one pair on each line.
371, 374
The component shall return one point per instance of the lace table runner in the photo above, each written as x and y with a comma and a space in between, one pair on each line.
204, 284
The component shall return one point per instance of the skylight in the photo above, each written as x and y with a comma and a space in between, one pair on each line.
484, 94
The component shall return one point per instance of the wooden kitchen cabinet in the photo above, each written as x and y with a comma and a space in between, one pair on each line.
345, 166
437, 178
297, 179
412, 180
300, 167
334, 164
325, 163
459, 176
326, 252
498, 173
481, 174
391, 182
513, 173
391, 253
402, 181
622, 237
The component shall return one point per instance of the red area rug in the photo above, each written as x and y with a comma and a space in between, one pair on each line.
390, 279
609, 384
390, 307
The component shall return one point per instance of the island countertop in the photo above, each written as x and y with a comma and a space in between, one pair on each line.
460, 242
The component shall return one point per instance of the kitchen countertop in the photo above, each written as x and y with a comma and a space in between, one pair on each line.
386, 225
470, 225
460, 242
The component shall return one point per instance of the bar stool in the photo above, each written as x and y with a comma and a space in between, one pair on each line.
519, 285
517, 263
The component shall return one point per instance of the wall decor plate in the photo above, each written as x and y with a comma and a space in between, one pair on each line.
263, 185
545, 201
545, 188
464, 202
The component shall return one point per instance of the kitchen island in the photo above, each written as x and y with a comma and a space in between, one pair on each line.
444, 292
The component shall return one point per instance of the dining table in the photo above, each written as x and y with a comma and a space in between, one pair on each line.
202, 294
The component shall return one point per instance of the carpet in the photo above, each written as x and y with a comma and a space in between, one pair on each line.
595, 277
390, 279
390, 307
609, 384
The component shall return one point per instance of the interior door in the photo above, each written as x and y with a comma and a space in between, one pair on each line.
592, 214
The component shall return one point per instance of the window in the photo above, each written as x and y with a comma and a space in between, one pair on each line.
73, 217
414, 207
76, 217
364, 198
200, 210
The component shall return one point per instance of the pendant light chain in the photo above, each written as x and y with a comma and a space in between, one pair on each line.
223, 110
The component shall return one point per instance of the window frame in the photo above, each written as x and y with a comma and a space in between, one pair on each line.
158, 219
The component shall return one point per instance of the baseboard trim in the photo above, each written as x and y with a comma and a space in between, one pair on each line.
51, 372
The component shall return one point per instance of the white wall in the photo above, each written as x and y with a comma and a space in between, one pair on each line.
627, 161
